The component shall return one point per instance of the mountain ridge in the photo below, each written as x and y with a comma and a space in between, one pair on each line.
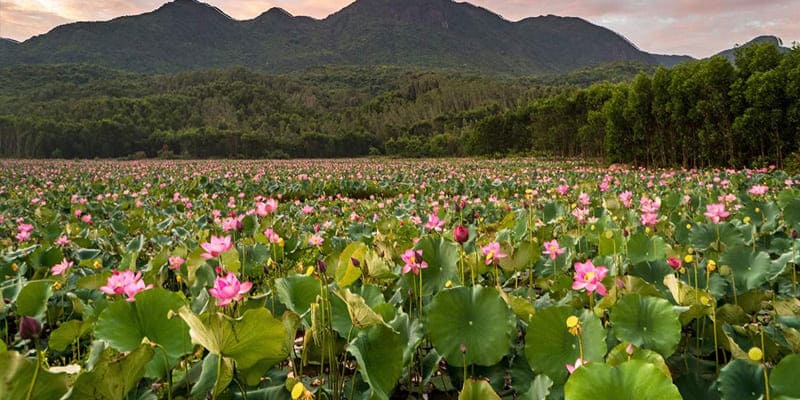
190, 34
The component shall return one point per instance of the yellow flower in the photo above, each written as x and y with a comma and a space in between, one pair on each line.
746, 220
574, 325
298, 390
647, 230
690, 250
57, 286
705, 301
755, 354
97, 264
711, 266
758, 210
280, 242
14, 267
448, 284
178, 278
309, 271
688, 226
572, 321
688, 259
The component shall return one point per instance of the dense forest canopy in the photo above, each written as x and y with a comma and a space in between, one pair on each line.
708, 112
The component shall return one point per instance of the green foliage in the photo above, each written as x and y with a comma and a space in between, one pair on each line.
630, 380
21, 378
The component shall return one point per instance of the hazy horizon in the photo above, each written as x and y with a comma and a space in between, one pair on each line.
699, 29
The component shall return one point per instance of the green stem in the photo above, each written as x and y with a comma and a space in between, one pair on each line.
764, 365
29, 396
219, 368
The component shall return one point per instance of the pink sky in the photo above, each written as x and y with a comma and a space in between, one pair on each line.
696, 27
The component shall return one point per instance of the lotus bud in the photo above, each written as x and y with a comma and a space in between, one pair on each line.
322, 266
461, 234
29, 328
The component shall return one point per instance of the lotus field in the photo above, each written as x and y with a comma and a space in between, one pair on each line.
393, 279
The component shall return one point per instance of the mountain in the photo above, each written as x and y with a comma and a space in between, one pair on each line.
7, 44
730, 54
188, 34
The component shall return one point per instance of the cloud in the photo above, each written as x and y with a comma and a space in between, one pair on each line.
698, 28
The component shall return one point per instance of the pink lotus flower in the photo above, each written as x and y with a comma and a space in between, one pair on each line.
625, 197
272, 236
62, 241
552, 249
492, 252
216, 246
316, 240
228, 288
308, 209
232, 224
758, 190
175, 263
414, 261
266, 208
674, 263
583, 199
23, 236
434, 223
649, 219
125, 282
589, 277
716, 212
24, 232
578, 363
61, 267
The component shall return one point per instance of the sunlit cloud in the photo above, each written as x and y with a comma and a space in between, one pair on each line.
698, 28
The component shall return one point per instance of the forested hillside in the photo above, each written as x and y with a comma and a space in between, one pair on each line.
700, 113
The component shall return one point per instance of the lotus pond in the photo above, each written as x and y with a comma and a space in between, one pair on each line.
393, 279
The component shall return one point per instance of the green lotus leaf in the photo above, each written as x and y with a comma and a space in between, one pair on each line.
125, 324
477, 390
67, 333
474, 317
347, 272
783, 378
254, 337
647, 322
705, 236
619, 355
32, 299
379, 353
741, 380
112, 376
216, 375
549, 346
442, 258
791, 214
631, 380
298, 292
751, 270
642, 248
21, 378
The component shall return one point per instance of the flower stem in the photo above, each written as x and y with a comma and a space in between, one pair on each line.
764, 365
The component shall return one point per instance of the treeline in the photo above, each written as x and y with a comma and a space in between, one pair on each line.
701, 113
86, 111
